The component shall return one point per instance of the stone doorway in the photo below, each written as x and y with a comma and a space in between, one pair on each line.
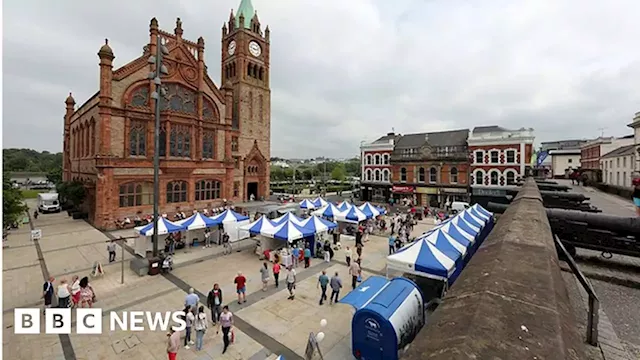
252, 189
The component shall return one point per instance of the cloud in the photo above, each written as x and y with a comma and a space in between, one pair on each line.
343, 72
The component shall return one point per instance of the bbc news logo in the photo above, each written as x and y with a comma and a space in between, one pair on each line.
89, 321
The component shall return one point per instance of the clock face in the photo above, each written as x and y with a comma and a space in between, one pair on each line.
232, 47
254, 49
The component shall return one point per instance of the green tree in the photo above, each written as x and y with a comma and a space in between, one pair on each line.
29, 160
338, 173
73, 191
13, 206
55, 175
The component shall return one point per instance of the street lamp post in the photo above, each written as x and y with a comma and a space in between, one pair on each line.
159, 91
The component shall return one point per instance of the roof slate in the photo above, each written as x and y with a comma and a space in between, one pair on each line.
441, 138
621, 151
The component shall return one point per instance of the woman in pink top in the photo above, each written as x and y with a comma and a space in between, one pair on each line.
226, 322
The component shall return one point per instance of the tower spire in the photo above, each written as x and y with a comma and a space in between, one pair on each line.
245, 9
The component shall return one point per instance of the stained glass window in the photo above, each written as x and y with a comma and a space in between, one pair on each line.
207, 145
140, 97
137, 139
179, 99
180, 141
177, 192
136, 194
162, 139
208, 190
207, 110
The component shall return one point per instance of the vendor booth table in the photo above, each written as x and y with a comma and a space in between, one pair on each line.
389, 314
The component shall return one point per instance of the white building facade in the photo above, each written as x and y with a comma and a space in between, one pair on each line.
618, 166
636, 132
375, 178
563, 161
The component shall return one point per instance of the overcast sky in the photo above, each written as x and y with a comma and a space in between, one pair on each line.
346, 71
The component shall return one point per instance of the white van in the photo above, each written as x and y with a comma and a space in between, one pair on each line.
48, 202
459, 206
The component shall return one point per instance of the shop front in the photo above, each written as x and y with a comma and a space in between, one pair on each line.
427, 196
376, 193
449, 195
403, 194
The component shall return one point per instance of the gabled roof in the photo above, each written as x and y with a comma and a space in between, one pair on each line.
441, 138
621, 151
385, 139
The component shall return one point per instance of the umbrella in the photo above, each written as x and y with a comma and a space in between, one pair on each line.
319, 202
307, 204
197, 221
287, 217
328, 211
164, 227
259, 226
288, 231
228, 216
352, 214
318, 224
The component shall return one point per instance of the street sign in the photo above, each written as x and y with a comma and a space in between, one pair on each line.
312, 347
36, 234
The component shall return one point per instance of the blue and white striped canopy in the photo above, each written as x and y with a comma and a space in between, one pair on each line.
287, 217
280, 358
307, 204
464, 225
484, 218
457, 234
482, 210
259, 226
196, 221
445, 243
318, 224
370, 210
228, 216
345, 205
424, 259
164, 227
288, 231
328, 211
471, 219
319, 202
353, 214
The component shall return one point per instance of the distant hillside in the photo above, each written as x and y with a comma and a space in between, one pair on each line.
30, 161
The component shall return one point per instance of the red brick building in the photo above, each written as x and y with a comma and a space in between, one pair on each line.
499, 156
214, 141
431, 168
375, 177
591, 152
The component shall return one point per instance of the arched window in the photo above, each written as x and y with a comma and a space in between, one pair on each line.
511, 178
368, 175
136, 194
208, 111
403, 175
433, 175
162, 139
368, 159
207, 145
479, 178
385, 175
140, 97
453, 178
180, 141
421, 175
208, 190
177, 192
385, 159
377, 159
377, 174
494, 177
138, 138
179, 98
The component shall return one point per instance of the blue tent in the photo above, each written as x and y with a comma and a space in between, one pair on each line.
329, 211
164, 227
345, 205
287, 217
318, 224
353, 214
468, 217
482, 210
197, 221
307, 204
484, 218
423, 259
289, 231
445, 243
465, 226
259, 226
228, 216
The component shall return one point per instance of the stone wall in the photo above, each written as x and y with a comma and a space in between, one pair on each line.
510, 302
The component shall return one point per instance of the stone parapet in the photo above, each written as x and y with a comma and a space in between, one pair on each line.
510, 302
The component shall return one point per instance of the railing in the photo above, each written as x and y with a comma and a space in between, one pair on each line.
594, 302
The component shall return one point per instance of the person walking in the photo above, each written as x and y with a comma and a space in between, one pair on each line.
189, 318
47, 292
214, 302
75, 290
241, 287
200, 326
355, 271
392, 244
191, 299
296, 256
291, 282
307, 257
326, 247
323, 281
264, 275
87, 295
276, 273
173, 343
64, 294
347, 255
636, 194
111, 248
336, 285
226, 322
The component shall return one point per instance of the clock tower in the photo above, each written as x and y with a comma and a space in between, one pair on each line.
245, 71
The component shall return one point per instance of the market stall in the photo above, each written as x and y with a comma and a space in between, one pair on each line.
345, 205
144, 242
328, 211
232, 223
320, 202
371, 211
307, 204
287, 217
195, 226
352, 215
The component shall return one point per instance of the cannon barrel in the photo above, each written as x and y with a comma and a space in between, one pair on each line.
561, 195
616, 224
552, 187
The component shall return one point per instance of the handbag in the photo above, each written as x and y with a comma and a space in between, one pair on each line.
359, 279
233, 336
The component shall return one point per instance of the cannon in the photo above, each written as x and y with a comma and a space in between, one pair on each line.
552, 187
607, 233
563, 195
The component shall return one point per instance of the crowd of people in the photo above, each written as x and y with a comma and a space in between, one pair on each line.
78, 294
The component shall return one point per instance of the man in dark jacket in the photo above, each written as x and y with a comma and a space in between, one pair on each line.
214, 302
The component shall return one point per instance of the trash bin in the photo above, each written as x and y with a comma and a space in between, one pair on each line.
155, 265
